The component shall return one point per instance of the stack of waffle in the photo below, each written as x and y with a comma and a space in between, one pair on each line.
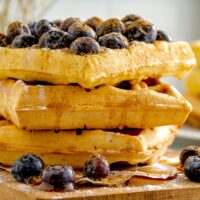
193, 88
64, 107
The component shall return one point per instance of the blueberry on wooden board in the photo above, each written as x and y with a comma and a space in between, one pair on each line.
59, 176
192, 168
96, 167
189, 151
27, 166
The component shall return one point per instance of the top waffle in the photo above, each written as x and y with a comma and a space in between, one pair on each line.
90, 55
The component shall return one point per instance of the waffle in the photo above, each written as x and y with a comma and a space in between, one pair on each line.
138, 61
194, 117
64, 96
71, 147
193, 82
107, 107
196, 49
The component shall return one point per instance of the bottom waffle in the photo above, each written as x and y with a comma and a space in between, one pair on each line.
131, 146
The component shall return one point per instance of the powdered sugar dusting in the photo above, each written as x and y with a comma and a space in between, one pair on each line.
152, 187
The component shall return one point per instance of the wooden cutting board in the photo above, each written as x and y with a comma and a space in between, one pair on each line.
138, 188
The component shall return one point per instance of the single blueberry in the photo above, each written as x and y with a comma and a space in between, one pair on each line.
94, 22
113, 41
55, 39
4, 40
109, 26
128, 19
161, 35
85, 45
96, 167
58, 175
142, 31
68, 22
22, 41
27, 166
187, 152
80, 30
192, 168
43, 26
17, 28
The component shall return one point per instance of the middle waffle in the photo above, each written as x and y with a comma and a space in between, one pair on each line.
43, 107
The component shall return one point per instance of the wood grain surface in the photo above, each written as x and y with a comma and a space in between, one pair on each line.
138, 188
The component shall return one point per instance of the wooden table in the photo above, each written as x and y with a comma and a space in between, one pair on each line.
138, 188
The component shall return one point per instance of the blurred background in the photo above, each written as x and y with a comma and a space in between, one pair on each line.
179, 18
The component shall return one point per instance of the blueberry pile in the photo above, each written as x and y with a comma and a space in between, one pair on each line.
58, 177
82, 37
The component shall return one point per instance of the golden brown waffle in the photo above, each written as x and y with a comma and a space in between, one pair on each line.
194, 117
193, 82
138, 61
72, 147
42, 107
196, 49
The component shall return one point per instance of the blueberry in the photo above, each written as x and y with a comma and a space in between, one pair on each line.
93, 22
24, 40
27, 166
109, 26
43, 26
17, 28
57, 22
68, 22
142, 31
59, 176
192, 168
161, 35
79, 30
4, 40
55, 39
31, 26
128, 19
189, 151
85, 45
126, 85
113, 41
96, 167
